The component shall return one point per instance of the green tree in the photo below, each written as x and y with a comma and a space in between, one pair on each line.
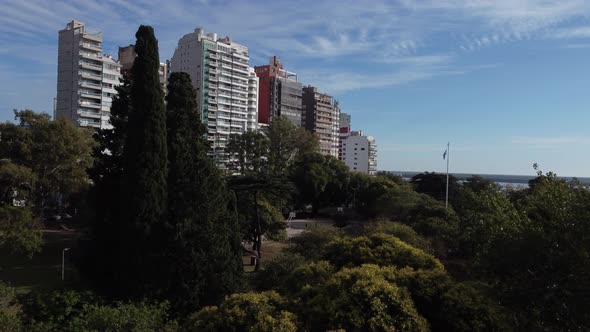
248, 153
485, 216
20, 232
56, 152
380, 249
261, 312
205, 256
447, 304
258, 218
365, 190
427, 216
287, 144
107, 199
289, 274
107, 170
540, 268
52, 310
16, 183
401, 231
142, 255
362, 299
434, 185
132, 317
311, 244
321, 180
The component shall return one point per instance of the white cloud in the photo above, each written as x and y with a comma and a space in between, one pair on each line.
338, 47
571, 33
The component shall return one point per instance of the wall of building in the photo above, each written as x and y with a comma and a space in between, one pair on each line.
359, 153
280, 95
321, 117
220, 72
86, 78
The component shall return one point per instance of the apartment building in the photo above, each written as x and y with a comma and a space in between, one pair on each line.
321, 116
280, 93
226, 86
86, 78
344, 132
359, 153
253, 100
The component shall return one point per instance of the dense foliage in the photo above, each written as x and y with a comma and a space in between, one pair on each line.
42, 168
204, 239
175, 240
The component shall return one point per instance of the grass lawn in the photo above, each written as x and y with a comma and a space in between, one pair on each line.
44, 269
269, 250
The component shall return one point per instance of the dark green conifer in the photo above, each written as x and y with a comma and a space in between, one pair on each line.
145, 173
205, 242
106, 173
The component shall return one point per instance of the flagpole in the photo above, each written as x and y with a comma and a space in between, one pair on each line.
447, 194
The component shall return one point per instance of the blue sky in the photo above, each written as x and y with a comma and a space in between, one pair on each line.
507, 82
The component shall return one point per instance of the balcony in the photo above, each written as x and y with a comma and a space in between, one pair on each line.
89, 65
87, 94
89, 114
92, 47
92, 35
90, 75
88, 84
89, 124
89, 104
93, 56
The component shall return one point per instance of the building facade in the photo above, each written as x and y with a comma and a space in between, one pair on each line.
344, 132
226, 86
280, 93
86, 78
321, 116
359, 153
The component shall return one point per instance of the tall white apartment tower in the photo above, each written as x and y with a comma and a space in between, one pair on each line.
227, 88
86, 78
359, 153
253, 100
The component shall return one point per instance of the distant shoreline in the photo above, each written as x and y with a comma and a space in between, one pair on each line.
498, 178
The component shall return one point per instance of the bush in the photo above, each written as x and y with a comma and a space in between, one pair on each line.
401, 231
448, 305
275, 272
362, 299
130, 317
260, 312
55, 307
380, 249
311, 244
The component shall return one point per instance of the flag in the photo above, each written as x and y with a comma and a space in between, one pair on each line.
445, 154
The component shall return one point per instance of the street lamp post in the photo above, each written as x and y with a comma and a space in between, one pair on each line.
63, 263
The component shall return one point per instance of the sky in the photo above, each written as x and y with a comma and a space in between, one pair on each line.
506, 82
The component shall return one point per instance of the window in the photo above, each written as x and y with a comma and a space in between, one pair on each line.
363, 149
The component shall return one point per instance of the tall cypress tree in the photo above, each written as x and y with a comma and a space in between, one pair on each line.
145, 173
97, 261
206, 251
